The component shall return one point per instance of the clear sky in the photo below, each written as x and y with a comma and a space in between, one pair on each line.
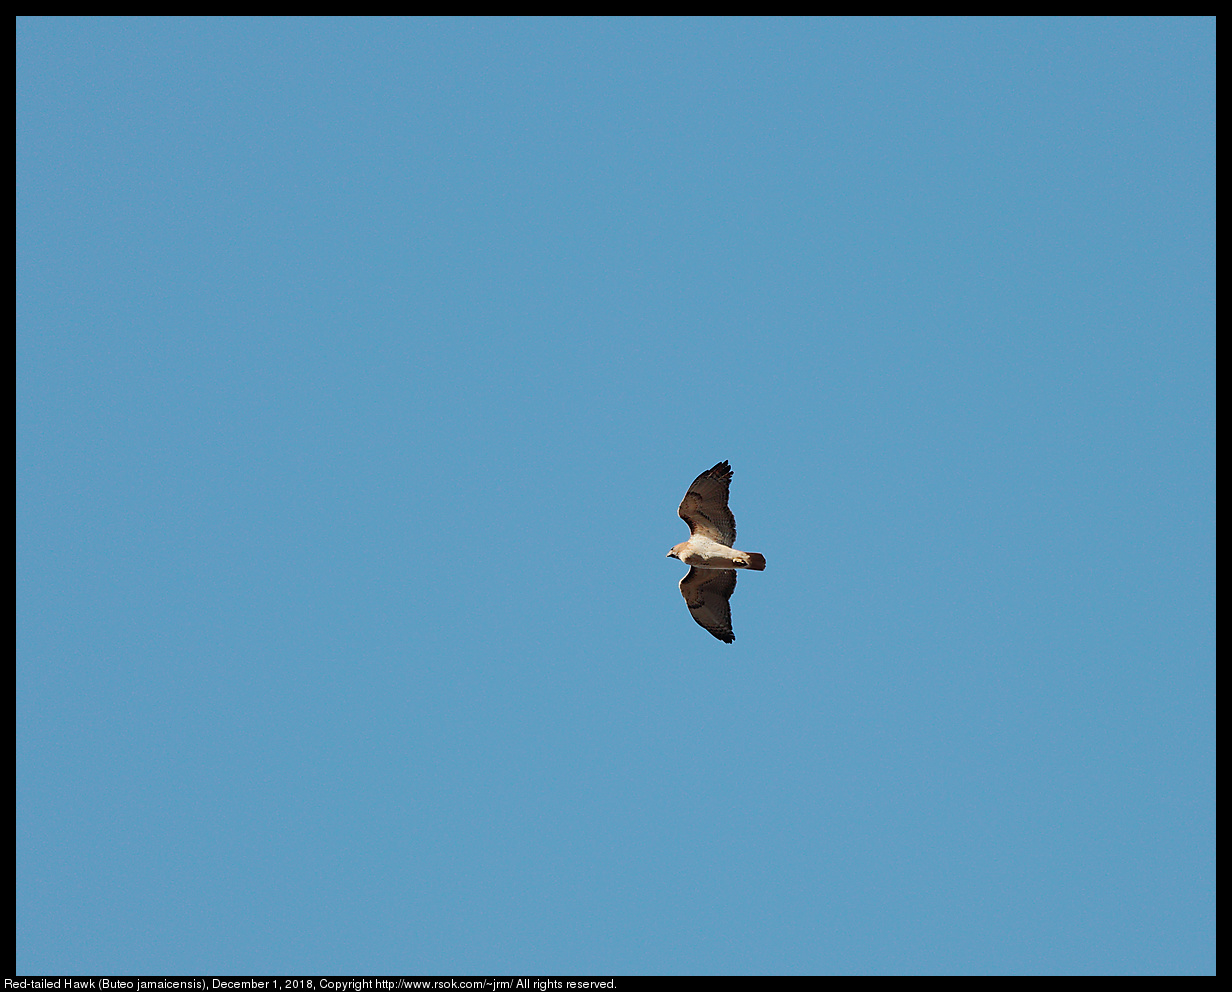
361, 367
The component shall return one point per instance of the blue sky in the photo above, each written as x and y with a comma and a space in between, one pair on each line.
361, 366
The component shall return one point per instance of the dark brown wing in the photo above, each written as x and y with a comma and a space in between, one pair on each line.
704, 507
707, 591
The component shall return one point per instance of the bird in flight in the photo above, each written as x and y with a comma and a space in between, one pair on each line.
709, 552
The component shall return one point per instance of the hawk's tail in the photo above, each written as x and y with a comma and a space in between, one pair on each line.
756, 562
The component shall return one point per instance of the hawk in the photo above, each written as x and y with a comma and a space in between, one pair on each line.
709, 552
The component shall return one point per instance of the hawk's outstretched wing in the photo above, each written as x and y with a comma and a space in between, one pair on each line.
704, 508
707, 591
